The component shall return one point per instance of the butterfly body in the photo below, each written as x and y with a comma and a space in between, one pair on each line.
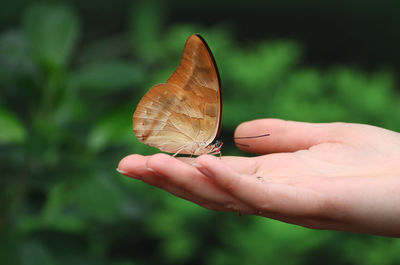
183, 115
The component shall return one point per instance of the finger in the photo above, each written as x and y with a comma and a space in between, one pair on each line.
188, 179
272, 199
285, 136
135, 166
243, 165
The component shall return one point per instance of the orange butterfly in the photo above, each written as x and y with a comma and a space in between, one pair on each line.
184, 114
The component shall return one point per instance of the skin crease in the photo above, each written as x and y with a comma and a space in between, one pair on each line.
337, 176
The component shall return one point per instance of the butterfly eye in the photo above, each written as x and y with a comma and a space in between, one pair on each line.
218, 144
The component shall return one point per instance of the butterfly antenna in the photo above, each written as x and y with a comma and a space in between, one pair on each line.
250, 137
244, 137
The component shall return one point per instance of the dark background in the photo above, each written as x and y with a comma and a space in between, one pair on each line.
72, 72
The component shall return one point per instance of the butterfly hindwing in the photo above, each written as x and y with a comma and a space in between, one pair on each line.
184, 114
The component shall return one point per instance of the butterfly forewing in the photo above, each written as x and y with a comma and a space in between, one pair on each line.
184, 114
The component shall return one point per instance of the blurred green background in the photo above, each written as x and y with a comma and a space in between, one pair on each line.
72, 72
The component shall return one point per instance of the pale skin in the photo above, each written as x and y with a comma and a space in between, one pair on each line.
337, 176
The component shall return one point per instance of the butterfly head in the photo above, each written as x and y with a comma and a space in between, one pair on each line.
216, 146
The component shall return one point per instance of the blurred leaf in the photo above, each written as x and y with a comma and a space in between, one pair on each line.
9, 247
179, 248
267, 240
107, 77
123, 263
146, 28
54, 214
98, 198
105, 49
260, 67
53, 31
384, 251
12, 130
14, 55
174, 223
114, 128
35, 253
72, 107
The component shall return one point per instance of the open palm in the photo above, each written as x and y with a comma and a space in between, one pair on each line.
327, 176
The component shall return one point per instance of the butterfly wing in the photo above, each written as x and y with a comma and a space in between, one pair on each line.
185, 112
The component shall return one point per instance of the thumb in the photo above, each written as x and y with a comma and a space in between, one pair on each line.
285, 136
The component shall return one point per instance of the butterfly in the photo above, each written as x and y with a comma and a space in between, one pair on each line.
183, 115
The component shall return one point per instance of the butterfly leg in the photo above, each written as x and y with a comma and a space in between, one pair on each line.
180, 150
177, 152
217, 152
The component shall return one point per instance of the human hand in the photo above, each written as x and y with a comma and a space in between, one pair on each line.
337, 176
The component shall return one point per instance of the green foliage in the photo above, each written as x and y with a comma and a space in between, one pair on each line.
12, 130
66, 106
52, 31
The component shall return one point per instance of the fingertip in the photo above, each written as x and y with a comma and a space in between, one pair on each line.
129, 165
128, 162
259, 133
243, 128
256, 127
121, 171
